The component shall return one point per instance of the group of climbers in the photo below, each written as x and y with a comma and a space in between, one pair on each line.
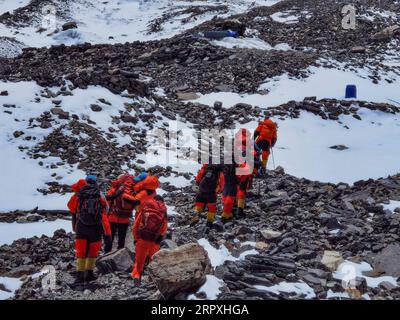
96, 216
234, 179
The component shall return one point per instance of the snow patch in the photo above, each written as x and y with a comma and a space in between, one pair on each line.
303, 146
219, 256
284, 88
10, 232
11, 5
290, 287
17, 167
392, 205
348, 270
212, 288
120, 21
288, 17
12, 285
249, 43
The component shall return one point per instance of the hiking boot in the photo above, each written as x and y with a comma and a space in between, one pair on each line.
225, 220
240, 213
79, 281
136, 281
90, 276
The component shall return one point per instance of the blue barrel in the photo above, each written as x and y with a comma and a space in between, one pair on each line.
351, 91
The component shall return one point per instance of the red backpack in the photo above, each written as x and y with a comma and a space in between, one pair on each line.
121, 207
152, 218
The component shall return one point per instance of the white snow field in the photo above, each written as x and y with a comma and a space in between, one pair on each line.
11, 5
120, 21
303, 147
14, 231
321, 82
21, 175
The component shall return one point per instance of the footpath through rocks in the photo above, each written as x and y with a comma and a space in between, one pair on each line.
295, 231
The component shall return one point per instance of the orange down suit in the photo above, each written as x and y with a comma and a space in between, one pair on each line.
145, 190
88, 238
266, 136
208, 181
234, 187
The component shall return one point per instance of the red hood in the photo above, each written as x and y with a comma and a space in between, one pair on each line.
78, 186
122, 179
150, 183
268, 123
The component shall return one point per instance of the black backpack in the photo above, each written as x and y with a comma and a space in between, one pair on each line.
209, 182
90, 206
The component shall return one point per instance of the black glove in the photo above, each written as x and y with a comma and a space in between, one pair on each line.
114, 195
107, 244
159, 239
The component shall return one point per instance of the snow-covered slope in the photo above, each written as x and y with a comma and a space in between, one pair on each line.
118, 21
11, 5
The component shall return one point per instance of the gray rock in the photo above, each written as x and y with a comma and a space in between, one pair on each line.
358, 49
270, 234
20, 271
387, 33
96, 108
361, 284
388, 261
120, 260
168, 244
339, 147
385, 285
69, 25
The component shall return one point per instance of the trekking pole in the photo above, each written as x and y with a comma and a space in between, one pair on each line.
273, 158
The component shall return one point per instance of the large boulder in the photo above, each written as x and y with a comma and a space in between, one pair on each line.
388, 261
180, 270
120, 260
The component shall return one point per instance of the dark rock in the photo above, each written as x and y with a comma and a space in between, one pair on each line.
69, 25
339, 147
96, 108
17, 134
121, 260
